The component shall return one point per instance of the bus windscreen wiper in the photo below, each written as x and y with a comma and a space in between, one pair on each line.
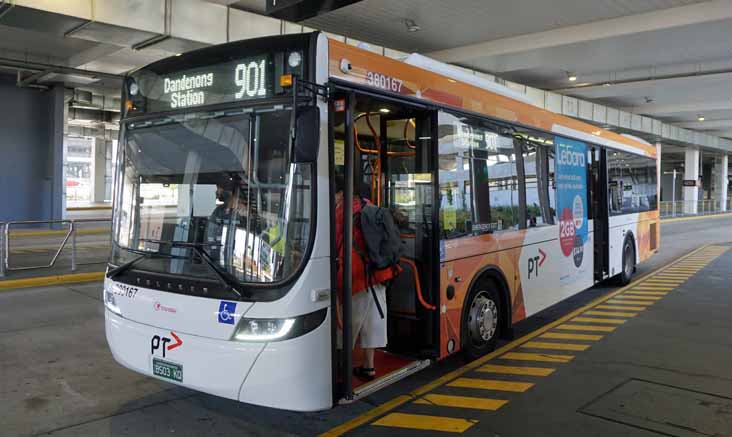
126, 266
225, 277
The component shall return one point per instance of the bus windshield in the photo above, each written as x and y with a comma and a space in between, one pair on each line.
218, 183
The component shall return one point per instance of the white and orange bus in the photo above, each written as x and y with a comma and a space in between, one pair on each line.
223, 269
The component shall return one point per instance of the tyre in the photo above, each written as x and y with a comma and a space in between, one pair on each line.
628, 262
481, 320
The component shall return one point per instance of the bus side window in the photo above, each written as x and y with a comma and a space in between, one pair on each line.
478, 178
540, 187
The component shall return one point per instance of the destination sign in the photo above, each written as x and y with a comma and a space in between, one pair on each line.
249, 78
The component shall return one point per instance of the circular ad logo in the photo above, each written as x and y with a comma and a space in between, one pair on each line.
578, 211
567, 232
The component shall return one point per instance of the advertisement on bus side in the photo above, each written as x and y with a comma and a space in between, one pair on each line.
571, 177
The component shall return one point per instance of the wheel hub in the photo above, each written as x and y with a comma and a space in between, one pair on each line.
483, 318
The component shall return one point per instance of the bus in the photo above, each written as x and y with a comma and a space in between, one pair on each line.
222, 275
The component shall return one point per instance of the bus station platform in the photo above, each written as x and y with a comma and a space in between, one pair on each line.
651, 358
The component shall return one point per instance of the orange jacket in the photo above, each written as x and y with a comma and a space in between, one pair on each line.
357, 262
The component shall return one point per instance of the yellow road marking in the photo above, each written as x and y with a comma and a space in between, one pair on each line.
683, 278
542, 331
596, 320
10, 284
555, 346
637, 298
367, 416
517, 370
613, 313
461, 402
567, 336
547, 358
691, 271
698, 217
614, 302
665, 288
45, 233
649, 293
491, 384
424, 422
571, 327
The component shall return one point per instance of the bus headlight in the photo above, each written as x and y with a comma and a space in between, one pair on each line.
265, 330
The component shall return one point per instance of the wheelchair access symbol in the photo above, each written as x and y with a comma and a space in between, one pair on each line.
227, 312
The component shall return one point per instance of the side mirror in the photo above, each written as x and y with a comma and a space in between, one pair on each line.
307, 134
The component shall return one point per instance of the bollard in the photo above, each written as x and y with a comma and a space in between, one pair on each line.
2, 250
73, 247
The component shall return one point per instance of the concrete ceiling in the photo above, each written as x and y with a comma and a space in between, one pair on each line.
667, 59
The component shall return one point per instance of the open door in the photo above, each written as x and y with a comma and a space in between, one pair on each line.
383, 150
599, 201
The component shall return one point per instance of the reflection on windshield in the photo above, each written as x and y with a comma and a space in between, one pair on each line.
224, 183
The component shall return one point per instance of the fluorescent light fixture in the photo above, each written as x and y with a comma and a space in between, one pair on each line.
700, 117
384, 110
411, 25
571, 77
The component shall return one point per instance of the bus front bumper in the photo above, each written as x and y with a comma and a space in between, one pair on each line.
294, 374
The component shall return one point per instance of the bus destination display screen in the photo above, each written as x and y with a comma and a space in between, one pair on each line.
255, 77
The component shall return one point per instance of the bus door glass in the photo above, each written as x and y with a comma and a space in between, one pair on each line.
408, 174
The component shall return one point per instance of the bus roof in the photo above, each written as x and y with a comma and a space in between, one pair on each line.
413, 81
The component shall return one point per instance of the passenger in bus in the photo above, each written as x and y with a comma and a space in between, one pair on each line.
223, 215
367, 323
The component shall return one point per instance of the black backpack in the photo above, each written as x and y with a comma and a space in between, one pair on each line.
383, 241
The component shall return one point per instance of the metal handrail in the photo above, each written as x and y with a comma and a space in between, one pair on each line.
70, 235
682, 208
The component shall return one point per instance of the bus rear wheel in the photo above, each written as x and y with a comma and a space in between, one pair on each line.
628, 262
481, 321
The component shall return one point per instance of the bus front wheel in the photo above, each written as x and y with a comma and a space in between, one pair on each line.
481, 321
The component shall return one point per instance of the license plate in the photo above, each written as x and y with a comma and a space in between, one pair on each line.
168, 370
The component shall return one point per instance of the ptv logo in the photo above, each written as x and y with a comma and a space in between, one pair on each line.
161, 343
535, 263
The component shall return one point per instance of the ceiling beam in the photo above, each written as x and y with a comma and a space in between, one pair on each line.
646, 22
80, 59
706, 125
664, 109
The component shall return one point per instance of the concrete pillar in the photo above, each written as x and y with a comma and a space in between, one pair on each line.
721, 171
55, 165
659, 172
98, 170
691, 173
